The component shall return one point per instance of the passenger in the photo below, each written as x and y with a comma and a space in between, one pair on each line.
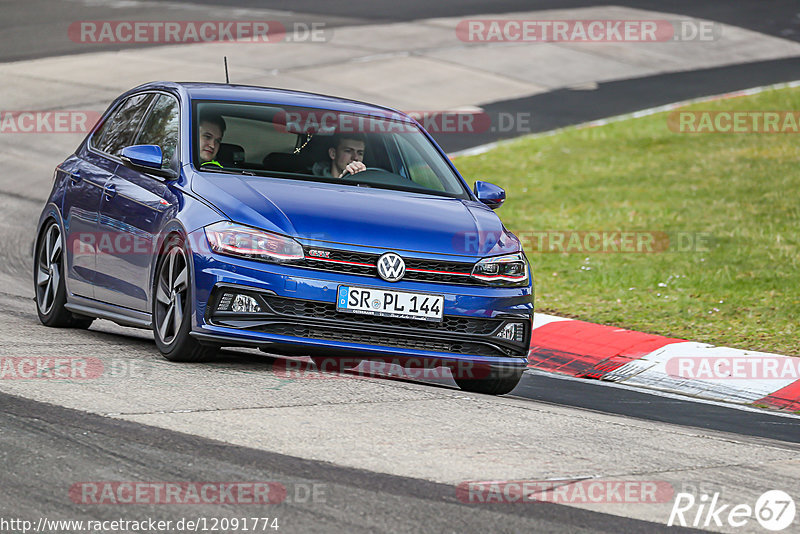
346, 153
211, 130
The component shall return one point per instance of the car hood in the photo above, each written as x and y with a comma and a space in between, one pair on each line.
362, 216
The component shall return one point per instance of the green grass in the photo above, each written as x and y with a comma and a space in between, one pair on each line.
636, 175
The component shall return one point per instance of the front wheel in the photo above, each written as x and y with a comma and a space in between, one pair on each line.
49, 284
172, 307
491, 381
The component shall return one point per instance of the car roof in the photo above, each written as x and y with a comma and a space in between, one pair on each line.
286, 97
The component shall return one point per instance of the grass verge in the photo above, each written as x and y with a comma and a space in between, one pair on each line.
721, 210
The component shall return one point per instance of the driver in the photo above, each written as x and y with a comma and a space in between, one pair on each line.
210, 132
346, 153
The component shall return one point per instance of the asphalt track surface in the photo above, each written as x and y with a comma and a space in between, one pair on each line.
34, 28
565, 107
37, 438
23, 38
592, 395
46, 448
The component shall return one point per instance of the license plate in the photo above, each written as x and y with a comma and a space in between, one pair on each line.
387, 303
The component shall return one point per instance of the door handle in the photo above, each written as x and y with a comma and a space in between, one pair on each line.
75, 177
110, 192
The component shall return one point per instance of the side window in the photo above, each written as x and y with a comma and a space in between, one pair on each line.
119, 130
161, 128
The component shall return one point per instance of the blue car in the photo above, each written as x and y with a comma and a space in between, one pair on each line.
301, 224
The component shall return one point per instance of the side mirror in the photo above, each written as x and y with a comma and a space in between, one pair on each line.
490, 194
147, 159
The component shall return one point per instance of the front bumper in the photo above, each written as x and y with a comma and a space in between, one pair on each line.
298, 314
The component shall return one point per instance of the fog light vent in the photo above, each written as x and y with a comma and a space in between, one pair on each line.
245, 304
225, 302
512, 332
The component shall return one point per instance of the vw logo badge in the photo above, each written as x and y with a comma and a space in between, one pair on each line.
391, 267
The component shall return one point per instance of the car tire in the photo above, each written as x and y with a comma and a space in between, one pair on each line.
498, 381
49, 284
172, 306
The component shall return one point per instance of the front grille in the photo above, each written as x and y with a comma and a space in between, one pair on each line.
365, 264
324, 310
385, 340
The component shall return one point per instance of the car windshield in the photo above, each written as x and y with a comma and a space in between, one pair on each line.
309, 143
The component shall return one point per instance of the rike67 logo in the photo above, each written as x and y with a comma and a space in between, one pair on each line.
774, 511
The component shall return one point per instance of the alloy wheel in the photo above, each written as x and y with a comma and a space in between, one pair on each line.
48, 272
171, 292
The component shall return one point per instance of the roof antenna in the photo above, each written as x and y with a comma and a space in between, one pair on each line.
227, 80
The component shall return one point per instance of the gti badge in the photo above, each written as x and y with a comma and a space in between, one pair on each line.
391, 267
319, 253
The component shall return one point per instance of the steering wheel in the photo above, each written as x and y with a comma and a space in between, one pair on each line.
350, 174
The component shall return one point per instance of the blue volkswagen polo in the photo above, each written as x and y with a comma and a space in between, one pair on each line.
301, 224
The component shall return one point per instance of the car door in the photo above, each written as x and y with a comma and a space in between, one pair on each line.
89, 172
133, 209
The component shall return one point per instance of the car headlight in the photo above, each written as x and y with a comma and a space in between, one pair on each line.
508, 270
245, 242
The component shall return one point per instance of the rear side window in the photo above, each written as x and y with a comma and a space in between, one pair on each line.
120, 129
161, 128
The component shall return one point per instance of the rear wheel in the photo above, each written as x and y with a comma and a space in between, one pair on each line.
493, 381
49, 283
172, 307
